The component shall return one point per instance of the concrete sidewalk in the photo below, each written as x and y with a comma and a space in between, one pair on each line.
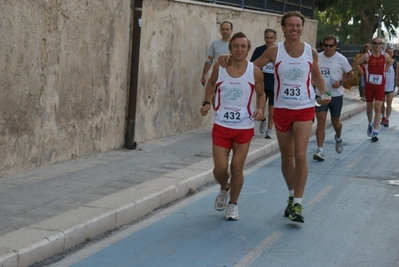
47, 211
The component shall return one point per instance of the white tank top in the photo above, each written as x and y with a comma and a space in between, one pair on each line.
233, 101
390, 79
293, 88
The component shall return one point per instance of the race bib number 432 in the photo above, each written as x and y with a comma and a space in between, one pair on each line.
231, 115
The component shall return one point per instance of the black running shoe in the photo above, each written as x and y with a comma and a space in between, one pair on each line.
288, 209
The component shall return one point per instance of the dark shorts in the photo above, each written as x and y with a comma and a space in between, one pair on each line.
284, 118
270, 97
225, 137
335, 106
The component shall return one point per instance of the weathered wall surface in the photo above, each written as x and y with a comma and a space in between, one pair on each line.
63, 76
64, 73
175, 37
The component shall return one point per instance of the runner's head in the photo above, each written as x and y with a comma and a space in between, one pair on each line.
292, 14
239, 46
226, 28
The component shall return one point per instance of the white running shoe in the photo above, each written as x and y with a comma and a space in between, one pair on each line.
221, 200
268, 134
262, 126
319, 155
232, 212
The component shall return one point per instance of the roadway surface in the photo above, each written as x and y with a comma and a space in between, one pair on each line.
351, 210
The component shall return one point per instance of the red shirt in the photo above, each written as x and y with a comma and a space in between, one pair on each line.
375, 70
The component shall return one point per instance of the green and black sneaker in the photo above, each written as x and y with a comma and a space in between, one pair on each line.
296, 214
288, 209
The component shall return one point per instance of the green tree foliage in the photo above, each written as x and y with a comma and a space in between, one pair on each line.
356, 21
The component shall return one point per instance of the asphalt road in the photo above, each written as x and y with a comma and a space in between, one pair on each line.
351, 210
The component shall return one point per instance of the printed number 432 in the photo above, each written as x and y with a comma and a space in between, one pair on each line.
232, 115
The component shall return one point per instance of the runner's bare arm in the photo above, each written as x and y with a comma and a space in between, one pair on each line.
260, 95
210, 90
388, 62
268, 56
359, 61
318, 79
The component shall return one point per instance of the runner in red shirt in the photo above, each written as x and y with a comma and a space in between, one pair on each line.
376, 63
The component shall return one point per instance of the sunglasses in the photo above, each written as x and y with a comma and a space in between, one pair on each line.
328, 45
375, 43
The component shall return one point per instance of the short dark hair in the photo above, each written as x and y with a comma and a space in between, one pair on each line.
292, 14
240, 35
223, 22
271, 30
330, 37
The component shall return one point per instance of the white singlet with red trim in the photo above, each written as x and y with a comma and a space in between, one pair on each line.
390, 78
293, 88
233, 101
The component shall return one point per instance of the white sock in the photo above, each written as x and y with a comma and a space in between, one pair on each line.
291, 192
297, 200
320, 149
338, 139
387, 117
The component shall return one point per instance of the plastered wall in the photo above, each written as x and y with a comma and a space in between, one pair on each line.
175, 37
63, 76
64, 73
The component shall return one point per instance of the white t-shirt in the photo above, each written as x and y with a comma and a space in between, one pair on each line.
217, 48
293, 87
332, 69
233, 100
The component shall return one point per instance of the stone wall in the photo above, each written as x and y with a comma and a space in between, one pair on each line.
64, 73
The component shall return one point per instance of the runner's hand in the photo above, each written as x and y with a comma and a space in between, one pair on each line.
258, 115
324, 101
224, 60
204, 109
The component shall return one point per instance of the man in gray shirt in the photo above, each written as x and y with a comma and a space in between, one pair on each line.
218, 47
